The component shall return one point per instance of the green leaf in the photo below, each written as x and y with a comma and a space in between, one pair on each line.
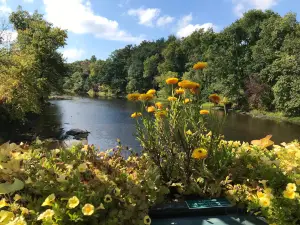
6, 188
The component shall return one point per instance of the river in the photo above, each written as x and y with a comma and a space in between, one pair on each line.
109, 119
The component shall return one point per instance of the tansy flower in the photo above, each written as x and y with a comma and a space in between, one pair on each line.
171, 99
147, 220
49, 200
172, 80
199, 153
291, 187
151, 92
289, 194
133, 97
159, 105
146, 97
160, 114
107, 198
187, 100
3, 203
179, 91
17, 197
88, 209
48, 214
151, 109
264, 202
204, 112
200, 65
5, 217
73, 202
215, 98
82, 167
188, 84
136, 115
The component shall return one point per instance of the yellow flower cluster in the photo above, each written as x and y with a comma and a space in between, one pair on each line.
265, 197
290, 191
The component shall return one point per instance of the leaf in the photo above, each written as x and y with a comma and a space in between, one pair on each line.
6, 188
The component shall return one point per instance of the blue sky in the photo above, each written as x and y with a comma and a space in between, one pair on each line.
98, 27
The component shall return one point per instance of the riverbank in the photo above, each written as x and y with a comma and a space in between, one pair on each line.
275, 116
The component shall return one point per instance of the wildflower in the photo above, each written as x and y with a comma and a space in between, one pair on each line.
200, 65
18, 221
147, 220
133, 97
264, 142
151, 109
172, 80
204, 112
187, 100
260, 194
3, 203
188, 84
179, 91
82, 167
49, 200
189, 132
48, 214
136, 115
291, 187
107, 198
214, 98
264, 202
289, 194
17, 197
117, 191
73, 202
151, 92
146, 97
199, 153
88, 209
159, 105
5, 216
160, 114
171, 99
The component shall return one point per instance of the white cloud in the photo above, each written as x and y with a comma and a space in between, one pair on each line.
241, 6
73, 54
7, 37
185, 28
78, 17
4, 9
145, 16
164, 20
28, 1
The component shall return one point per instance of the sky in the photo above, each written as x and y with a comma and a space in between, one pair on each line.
98, 27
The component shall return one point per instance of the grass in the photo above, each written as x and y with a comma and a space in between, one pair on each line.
277, 116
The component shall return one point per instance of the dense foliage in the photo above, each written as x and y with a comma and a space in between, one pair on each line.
254, 62
31, 67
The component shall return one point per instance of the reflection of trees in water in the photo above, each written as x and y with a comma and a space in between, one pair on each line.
46, 125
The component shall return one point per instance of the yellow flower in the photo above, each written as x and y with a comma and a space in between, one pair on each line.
82, 167
171, 99
133, 97
160, 114
151, 109
117, 191
179, 91
289, 194
107, 198
199, 153
268, 191
260, 194
189, 132
24, 210
187, 100
215, 98
5, 217
204, 112
88, 209
49, 200
48, 214
264, 142
147, 220
264, 202
3, 203
146, 97
85, 148
291, 187
18, 221
136, 115
188, 84
159, 105
151, 92
172, 80
200, 65
17, 197
73, 202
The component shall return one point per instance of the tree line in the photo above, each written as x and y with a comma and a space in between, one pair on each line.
254, 62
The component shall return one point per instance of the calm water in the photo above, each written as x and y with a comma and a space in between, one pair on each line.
108, 120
